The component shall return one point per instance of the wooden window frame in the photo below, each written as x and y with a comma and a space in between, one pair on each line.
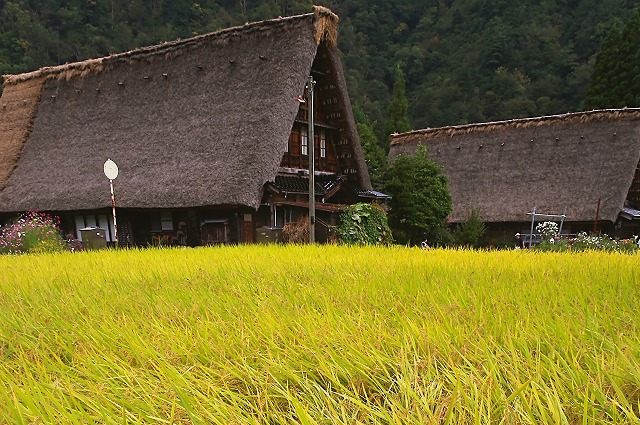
304, 141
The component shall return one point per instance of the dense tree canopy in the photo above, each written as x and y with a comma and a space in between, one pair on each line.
474, 60
398, 122
463, 61
374, 155
616, 75
420, 200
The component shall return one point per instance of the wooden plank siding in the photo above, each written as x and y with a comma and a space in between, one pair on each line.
294, 158
329, 118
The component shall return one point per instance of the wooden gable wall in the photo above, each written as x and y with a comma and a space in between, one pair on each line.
634, 190
330, 121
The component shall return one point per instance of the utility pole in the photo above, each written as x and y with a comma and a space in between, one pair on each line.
312, 166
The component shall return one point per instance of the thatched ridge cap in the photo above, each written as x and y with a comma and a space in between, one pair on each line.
325, 28
585, 116
325, 25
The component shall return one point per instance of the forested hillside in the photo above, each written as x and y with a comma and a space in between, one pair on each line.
462, 60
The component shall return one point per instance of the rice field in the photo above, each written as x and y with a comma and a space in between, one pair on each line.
319, 335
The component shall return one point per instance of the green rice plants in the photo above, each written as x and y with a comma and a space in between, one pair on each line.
319, 334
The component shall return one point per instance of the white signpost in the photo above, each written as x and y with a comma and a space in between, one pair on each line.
111, 171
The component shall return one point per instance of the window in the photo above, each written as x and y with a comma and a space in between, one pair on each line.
162, 221
304, 141
166, 220
323, 144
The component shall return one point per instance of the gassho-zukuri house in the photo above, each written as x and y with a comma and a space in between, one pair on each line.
209, 134
585, 162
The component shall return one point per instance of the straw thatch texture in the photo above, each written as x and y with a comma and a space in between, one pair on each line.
196, 122
326, 26
506, 168
350, 128
18, 106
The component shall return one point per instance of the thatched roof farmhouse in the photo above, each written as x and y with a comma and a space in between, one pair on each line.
586, 162
197, 127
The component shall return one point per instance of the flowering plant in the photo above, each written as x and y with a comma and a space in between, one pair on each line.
32, 232
584, 242
548, 229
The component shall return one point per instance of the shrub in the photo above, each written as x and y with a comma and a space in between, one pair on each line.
548, 229
440, 236
364, 224
32, 232
420, 198
73, 244
470, 232
584, 242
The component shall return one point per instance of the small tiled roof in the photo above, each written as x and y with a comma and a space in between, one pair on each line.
630, 213
320, 206
300, 184
374, 194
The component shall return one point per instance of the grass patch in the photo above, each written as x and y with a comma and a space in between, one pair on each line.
311, 335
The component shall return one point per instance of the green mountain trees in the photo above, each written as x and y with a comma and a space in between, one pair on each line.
398, 121
462, 61
374, 155
616, 75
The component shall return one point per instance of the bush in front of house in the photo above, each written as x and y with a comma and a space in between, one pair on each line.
364, 224
420, 199
584, 242
548, 229
469, 233
32, 232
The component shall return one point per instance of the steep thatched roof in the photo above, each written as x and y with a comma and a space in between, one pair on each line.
196, 122
506, 168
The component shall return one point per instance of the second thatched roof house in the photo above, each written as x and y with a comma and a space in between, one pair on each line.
209, 134
586, 162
